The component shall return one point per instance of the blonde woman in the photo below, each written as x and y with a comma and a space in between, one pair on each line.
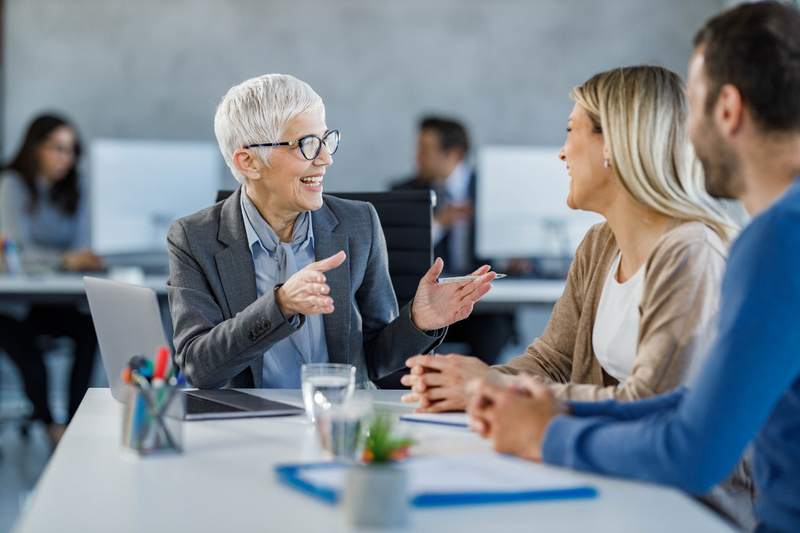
643, 288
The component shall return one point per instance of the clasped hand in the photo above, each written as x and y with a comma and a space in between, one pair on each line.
515, 415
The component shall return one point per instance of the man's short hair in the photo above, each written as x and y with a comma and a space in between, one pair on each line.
756, 48
452, 133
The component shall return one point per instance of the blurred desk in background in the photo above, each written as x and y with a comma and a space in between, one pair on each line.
60, 287
509, 294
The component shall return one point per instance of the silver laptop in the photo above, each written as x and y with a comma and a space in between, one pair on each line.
127, 321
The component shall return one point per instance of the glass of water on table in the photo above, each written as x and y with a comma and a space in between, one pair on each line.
326, 384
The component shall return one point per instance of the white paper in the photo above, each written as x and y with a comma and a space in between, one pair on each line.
463, 474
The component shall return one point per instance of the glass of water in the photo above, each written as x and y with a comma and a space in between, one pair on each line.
341, 428
326, 384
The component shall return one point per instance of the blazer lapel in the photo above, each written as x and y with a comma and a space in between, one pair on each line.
327, 242
235, 265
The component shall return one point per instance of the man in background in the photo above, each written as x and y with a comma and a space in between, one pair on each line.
442, 150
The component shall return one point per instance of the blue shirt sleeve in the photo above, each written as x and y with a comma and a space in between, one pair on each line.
627, 410
692, 444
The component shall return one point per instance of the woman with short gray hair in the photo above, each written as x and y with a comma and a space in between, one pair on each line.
278, 274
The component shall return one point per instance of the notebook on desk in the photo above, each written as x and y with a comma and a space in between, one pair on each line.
460, 420
466, 479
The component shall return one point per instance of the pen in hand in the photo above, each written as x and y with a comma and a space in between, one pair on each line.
461, 279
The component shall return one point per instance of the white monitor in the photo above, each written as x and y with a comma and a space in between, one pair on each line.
138, 188
522, 204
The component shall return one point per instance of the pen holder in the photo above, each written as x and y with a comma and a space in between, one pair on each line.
152, 420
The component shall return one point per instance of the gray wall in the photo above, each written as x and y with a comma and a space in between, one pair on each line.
156, 69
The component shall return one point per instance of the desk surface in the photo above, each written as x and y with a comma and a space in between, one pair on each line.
224, 481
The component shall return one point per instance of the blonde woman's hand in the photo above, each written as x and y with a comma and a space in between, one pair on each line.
439, 382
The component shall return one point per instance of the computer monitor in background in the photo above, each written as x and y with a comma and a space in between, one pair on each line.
139, 187
521, 206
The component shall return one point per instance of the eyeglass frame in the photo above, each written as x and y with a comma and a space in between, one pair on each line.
301, 139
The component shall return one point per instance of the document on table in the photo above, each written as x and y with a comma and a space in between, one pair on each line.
444, 419
456, 480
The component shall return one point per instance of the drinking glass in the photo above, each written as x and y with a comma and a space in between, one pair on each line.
326, 384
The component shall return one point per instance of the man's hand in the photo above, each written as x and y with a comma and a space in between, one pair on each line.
439, 382
81, 261
306, 291
436, 306
453, 213
515, 417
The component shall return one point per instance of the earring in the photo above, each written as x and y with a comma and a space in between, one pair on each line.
606, 163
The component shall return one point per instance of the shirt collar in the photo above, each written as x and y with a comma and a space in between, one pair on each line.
457, 182
260, 232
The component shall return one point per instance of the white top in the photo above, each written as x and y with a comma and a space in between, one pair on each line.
91, 484
616, 324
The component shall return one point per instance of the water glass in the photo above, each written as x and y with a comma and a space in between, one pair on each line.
342, 428
326, 384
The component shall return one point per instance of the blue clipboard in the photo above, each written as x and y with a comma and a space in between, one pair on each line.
292, 476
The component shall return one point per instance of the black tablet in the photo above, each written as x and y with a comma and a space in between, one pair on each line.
229, 403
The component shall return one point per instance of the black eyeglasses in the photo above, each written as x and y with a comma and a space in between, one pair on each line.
310, 145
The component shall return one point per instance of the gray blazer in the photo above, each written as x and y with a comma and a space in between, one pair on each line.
222, 329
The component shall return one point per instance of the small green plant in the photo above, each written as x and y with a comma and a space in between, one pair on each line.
381, 446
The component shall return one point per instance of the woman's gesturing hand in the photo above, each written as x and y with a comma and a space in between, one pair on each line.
306, 291
436, 306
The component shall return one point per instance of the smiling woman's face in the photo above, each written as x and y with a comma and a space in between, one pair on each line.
291, 183
583, 154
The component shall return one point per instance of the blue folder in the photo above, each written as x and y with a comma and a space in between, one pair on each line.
292, 476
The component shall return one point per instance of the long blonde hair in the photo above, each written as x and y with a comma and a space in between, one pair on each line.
641, 112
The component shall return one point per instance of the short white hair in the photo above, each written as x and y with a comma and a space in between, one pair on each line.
258, 111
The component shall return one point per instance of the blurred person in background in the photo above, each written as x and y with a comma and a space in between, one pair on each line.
442, 149
44, 211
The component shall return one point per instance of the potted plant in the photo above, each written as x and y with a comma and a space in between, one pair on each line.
376, 490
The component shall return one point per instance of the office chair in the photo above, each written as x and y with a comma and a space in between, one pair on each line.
406, 218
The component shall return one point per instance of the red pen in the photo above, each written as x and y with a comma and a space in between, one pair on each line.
162, 357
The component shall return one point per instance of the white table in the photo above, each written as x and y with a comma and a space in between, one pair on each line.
225, 482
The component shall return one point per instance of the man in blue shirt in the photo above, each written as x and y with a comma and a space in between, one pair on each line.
744, 121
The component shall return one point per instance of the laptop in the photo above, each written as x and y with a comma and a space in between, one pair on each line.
127, 321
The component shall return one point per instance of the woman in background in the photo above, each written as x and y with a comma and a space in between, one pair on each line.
45, 213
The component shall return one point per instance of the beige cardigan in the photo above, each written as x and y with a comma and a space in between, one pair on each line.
682, 279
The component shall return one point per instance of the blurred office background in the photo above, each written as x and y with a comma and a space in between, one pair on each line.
155, 70
141, 81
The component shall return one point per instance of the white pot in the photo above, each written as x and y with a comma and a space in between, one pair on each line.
376, 496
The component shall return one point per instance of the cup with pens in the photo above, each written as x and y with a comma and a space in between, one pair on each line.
152, 419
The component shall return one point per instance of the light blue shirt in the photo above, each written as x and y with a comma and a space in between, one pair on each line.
456, 190
46, 232
274, 263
